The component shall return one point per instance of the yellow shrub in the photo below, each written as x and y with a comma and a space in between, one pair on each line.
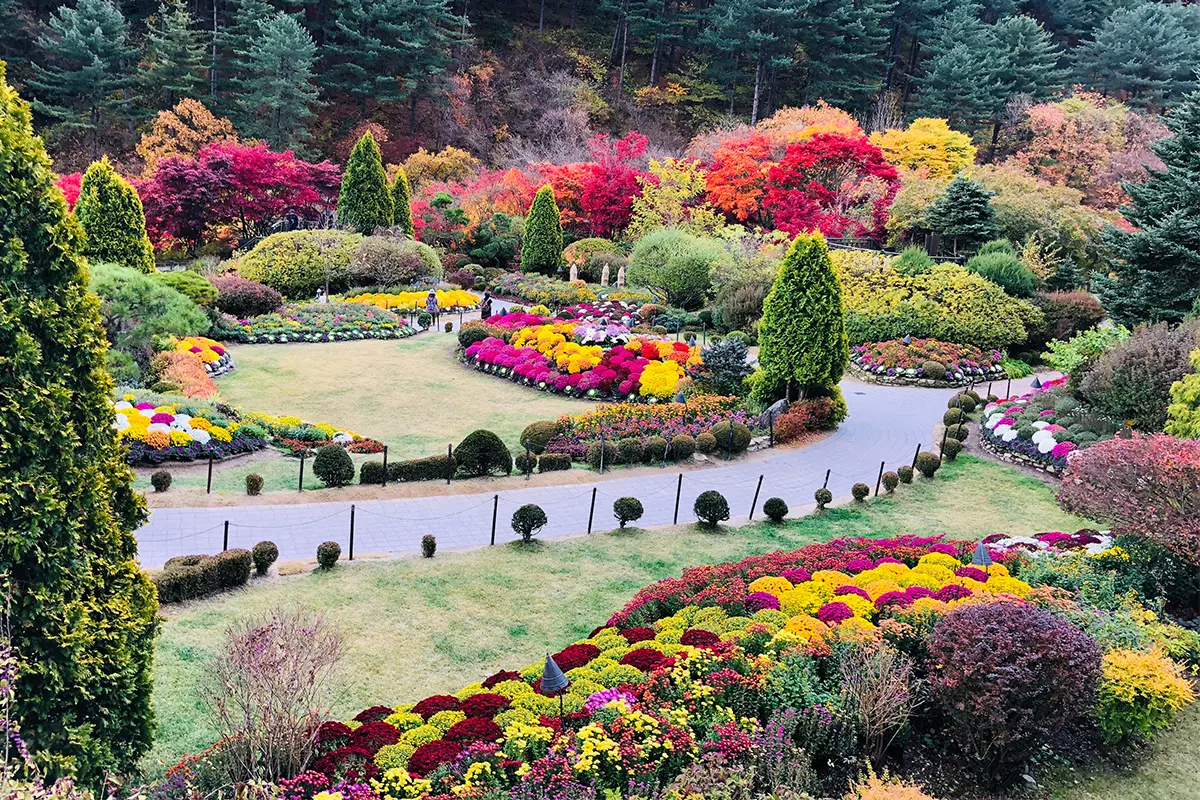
1140, 693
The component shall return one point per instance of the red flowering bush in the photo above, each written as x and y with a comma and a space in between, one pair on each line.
697, 637
432, 705
484, 705
1007, 677
644, 658
371, 736
500, 677
347, 763
818, 414
428, 757
575, 655
373, 714
474, 729
635, 635
332, 735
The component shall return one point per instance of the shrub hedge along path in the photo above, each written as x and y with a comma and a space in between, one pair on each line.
886, 423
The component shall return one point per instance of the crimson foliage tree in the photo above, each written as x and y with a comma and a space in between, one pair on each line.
610, 182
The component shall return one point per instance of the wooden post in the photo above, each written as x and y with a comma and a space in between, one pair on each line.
495, 510
678, 490
915, 454
302, 454
730, 456
352, 531
602, 453
385, 465
880, 478
225, 544
210, 466
754, 502
592, 509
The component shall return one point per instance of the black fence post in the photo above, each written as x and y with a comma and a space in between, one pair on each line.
352, 531
602, 453
989, 394
529, 474
385, 465
880, 478
1008, 389
916, 453
754, 502
208, 490
225, 543
495, 511
449, 463
592, 509
942, 449
771, 428
302, 454
730, 456
825, 485
678, 491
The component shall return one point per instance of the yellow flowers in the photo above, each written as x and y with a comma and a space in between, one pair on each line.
397, 784
660, 378
415, 301
770, 585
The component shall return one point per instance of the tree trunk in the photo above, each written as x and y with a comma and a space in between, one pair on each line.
758, 70
654, 60
542, 16
995, 139
95, 118
212, 69
912, 67
412, 115
624, 50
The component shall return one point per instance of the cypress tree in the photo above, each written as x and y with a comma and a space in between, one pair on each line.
542, 251
802, 335
82, 614
963, 212
1156, 269
365, 202
402, 202
113, 221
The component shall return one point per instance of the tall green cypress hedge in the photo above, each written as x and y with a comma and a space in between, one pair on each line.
83, 616
402, 201
802, 335
543, 248
113, 221
365, 202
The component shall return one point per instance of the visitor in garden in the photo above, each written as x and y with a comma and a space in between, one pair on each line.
431, 304
485, 306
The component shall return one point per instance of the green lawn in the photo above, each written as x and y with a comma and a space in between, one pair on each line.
414, 627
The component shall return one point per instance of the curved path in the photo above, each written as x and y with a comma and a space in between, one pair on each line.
886, 424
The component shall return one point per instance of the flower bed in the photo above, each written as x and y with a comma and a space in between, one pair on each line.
212, 355
447, 300
551, 292
639, 420
707, 675
1042, 428
315, 322
157, 430
294, 436
925, 362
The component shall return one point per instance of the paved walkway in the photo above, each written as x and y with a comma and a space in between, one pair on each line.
886, 424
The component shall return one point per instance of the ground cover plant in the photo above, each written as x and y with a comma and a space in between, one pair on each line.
314, 322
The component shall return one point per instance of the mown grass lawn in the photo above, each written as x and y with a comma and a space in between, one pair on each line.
414, 627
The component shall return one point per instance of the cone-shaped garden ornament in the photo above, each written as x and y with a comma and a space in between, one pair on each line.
982, 557
1037, 384
553, 680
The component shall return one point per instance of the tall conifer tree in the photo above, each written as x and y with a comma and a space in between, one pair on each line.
543, 247
402, 203
176, 55
277, 93
114, 224
365, 202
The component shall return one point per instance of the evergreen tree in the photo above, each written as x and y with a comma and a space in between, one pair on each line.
963, 212
1156, 268
234, 40
114, 225
1029, 65
87, 60
802, 335
845, 42
542, 251
962, 81
757, 37
82, 614
176, 55
365, 202
402, 203
277, 92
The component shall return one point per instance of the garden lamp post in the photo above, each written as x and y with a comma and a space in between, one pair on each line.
555, 682
982, 558
1037, 383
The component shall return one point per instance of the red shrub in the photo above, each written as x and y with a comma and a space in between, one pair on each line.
243, 298
484, 705
474, 729
347, 763
696, 637
331, 736
575, 655
428, 757
952, 591
432, 705
635, 635
185, 371
371, 736
373, 714
818, 414
644, 658
500, 677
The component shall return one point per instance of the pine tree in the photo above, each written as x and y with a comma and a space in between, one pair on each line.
802, 335
402, 203
845, 42
88, 59
543, 247
82, 614
114, 225
365, 202
963, 212
962, 81
234, 40
1156, 268
277, 92
176, 55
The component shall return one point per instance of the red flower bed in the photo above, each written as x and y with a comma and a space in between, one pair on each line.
428, 757
635, 635
575, 655
644, 658
500, 677
373, 735
373, 714
475, 729
699, 638
432, 705
331, 736
484, 705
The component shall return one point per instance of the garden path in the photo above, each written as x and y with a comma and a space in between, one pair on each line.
886, 424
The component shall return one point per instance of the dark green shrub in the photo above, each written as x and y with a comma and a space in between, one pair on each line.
860, 491
963, 212
912, 261
470, 334
543, 248
190, 285
775, 509
431, 468
928, 463
656, 449
706, 443
264, 554
333, 466
483, 453
428, 545
424, 320
123, 369
959, 432
890, 481
627, 509
138, 312
741, 436
682, 447
525, 463
160, 480
953, 416
1006, 271
538, 434
997, 246
612, 455
724, 366
371, 472
905, 474
711, 507
951, 448
189, 577
254, 484
823, 497
1026, 431
934, 370
527, 521
327, 554
632, 451
553, 462
402, 204
963, 401
974, 395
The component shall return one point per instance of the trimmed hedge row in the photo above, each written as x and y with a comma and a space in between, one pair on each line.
189, 577
435, 468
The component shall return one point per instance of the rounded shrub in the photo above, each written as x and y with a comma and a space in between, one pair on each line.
656, 449
676, 266
483, 453
711, 507
428, 545
388, 261
244, 298
905, 474
327, 554
470, 333
265, 554
294, 263
963, 401
449, 327
528, 520
860, 491
951, 448
775, 509
525, 463
1026, 431
953, 416
741, 436
912, 261
934, 370
928, 463
1006, 271
553, 462
371, 472
612, 455
333, 466
890, 481
632, 451
538, 434
189, 284
161, 480
706, 443
823, 497
627, 509
682, 447
1140, 694
254, 484
959, 432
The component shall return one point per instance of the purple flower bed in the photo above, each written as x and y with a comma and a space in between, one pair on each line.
140, 453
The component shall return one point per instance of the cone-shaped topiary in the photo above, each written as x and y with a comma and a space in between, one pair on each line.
802, 336
113, 221
963, 212
365, 202
402, 204
543, 248
83, 616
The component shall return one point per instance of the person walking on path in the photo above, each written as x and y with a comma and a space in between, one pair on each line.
485, 306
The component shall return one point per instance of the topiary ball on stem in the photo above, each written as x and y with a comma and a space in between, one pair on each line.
775, 509
928, 463
527, 521
160, 480
959, 432
823, 497
254, 484
655, 450
683, 447
627, 509
327, 554
860, 491
483, 453
905, 474
951, 448
333, 466
711, 508
962, 400
953, 416
525, 463
890, 481
264, 554
428, 545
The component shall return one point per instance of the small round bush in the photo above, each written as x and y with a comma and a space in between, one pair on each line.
627, 509
934, 370
928, 463
371, 472
265, 554
741, 436
823, 497
711, 508
528, 520
333, 466
254, 484
860, 491
775, 509
483, 453
682, 447
424, 320
905, 474
470, 334
327, 554
525, 463
962, 400
538, 434
160, 480
612, 456
631, 450
656, 449
974, 395
428, 545
959, 432
243, 298
706, 443
890, 481
951, 448
953, 416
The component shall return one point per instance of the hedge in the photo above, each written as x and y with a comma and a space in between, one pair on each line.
294, 263
189, 577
